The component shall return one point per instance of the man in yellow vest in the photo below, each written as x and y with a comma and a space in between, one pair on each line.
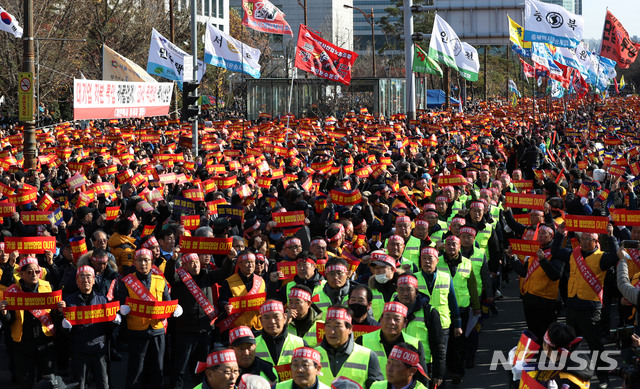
423, 323
341, 356
304, 314
243, 342
276, 344
393, 321
220, 370
383, 280
146, 336
587, 268
305, 367
401, 369
242, 283
464, 283
336, 290
411, 243
541, 275
31, 331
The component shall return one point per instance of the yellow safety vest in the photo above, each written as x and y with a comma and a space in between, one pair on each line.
372, 342
16, 326
136, 323
577, 285
459, 280
356, 367
237, 287
439, 298
291, 343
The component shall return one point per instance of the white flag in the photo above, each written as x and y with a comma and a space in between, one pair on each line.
167, 60
550, 23
116, 67
586, 61
445, 44
468, 62
228, 53
9, 24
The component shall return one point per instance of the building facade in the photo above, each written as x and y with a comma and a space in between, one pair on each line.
214, 11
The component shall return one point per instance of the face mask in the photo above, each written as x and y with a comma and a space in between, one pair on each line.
276, 236
359, 310
382, 278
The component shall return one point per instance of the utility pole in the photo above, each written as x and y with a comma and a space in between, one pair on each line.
28, 66
304, 10
172, 36
369, 19
410, 79
194, 53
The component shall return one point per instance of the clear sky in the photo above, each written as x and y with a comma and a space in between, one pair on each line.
594, 12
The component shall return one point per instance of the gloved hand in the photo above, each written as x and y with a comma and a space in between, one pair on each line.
66, 324
178, 311
124, 310
118, 319
583, 201
552, 385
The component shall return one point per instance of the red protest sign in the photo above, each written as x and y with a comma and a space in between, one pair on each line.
529, 201
89, 314
624, 217
112, 212
35, 217
590, 224
30, 245
151, 309
523, 185
249, 302
289, 219
452, 180
21, 301
287, 268
76, 181
524, 247
203, 245
190, 222
357, 329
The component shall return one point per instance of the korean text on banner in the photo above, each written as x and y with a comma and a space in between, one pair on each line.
616, 44
263, 16
550, 23
167, 60
94, 99
226, 52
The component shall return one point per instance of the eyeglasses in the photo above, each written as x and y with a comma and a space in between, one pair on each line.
228, 372
301, 365
32, 272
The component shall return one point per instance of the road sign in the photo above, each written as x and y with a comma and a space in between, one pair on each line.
25, 97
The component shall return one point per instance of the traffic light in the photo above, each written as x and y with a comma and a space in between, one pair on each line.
190, 109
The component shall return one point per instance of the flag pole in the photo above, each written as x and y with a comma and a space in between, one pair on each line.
293, 77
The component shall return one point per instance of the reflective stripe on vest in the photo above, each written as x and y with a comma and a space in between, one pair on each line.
459, 280
356, 367
373, 343
439, 298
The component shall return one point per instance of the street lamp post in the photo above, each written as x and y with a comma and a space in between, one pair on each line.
369, 19
303, 4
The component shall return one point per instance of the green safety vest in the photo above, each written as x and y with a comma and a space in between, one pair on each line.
439, 298
310, 337
436, 237
372, 342
324, 301
419, 330
289, 384
291, 343
412, 250
459, 280
356, 367
483, 236
477, 260
385, 384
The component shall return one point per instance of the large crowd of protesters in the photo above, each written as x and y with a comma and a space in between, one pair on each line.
361, 246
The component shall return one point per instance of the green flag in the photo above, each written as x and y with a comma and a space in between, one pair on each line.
422, 63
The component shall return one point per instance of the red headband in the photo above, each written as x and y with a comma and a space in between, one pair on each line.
468, 230
240, 332
422, 222
395, 307
300, 294
338, 314
28, 261
429, 251
403, 219
478, 204
87, 269
272, 306
292, 241
217, 358
441, 198
407, 356
396, 237
253, 227
462, 221
452, 238
307, 353
337, 267
246, 257
150, 242
408, 279
189, 257
144, 252
317, 241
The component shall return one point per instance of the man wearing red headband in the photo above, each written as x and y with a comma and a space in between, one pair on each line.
307, 274
88, 342
31, 331
424, 324
338, 285
220, 370
486, 237
194, 287
540, 275
381, 342
243, 342
243, 282
341, 356
305, 366
304, 314
588, 266
411, 244
464, 283
276, 344
384, 277
146, 336
401, 369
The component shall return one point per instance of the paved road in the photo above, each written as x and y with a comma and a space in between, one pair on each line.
500, 332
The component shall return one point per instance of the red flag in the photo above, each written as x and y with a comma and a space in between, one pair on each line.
616, 44
580, 85
323, 58
528, 70
263, 16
